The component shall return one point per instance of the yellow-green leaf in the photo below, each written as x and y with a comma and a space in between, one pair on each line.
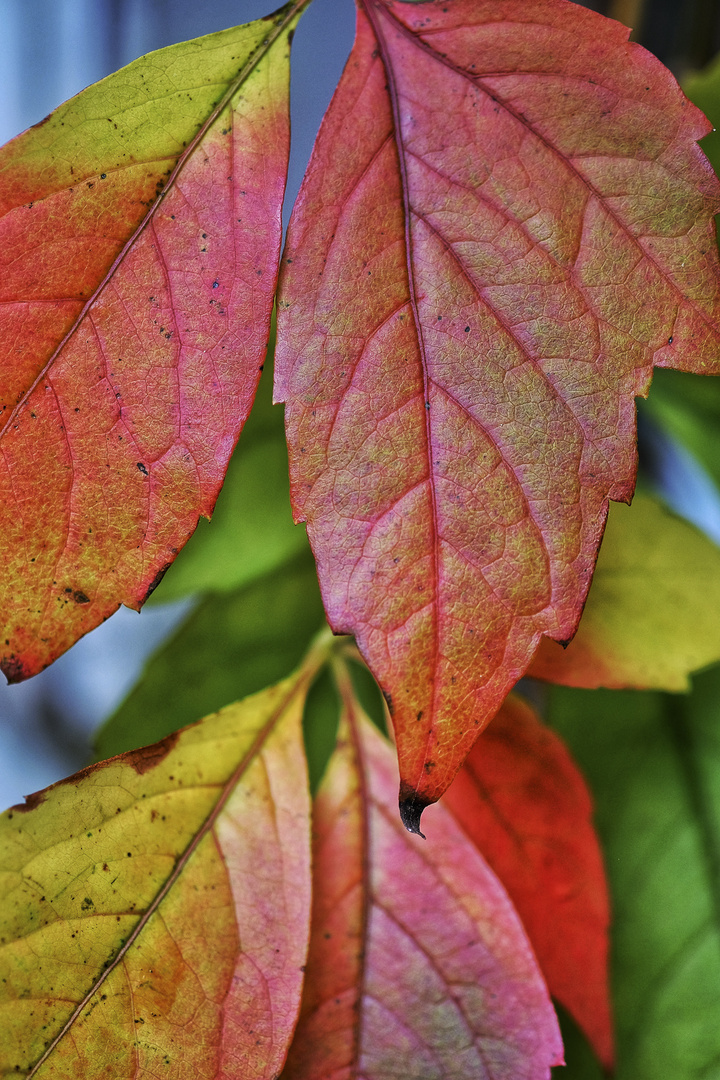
653, 612
156, 906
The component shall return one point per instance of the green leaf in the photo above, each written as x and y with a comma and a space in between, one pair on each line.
653, 612
653, 763
230, 646
580, 1062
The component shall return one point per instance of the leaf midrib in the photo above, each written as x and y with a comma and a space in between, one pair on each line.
478, 80
299, 686
371, 12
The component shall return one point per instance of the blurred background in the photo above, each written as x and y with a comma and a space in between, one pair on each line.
51, 49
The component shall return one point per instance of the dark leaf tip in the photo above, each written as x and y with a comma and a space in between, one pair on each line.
411, 808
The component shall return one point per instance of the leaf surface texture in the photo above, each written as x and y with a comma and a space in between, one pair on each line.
156, 906
505, 223
140, 232
418, 965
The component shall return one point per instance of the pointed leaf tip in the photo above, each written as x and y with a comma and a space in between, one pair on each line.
411, 808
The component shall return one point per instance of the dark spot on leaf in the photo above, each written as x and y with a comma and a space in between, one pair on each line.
80, 597
142, 468
86, 904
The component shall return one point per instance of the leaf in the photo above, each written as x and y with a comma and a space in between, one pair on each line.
653, 612
157, 905
524, 803
505, 223
252, 530
232, 645
418, 966
653, 764
140, 230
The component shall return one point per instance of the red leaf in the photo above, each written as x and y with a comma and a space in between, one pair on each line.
505, 223
139, 239
522, 800
418, 965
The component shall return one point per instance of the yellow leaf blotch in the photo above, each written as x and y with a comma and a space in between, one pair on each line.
157, 905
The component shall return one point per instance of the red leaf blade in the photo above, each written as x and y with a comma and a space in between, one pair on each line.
505, 223
418, 965
524, 803
140, 230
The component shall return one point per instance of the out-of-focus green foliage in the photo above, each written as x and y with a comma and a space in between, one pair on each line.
231, 645
688, 406
653, 763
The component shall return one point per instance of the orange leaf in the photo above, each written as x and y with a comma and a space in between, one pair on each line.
506, 221
522, 800
139, 239
157, 906
418, 964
